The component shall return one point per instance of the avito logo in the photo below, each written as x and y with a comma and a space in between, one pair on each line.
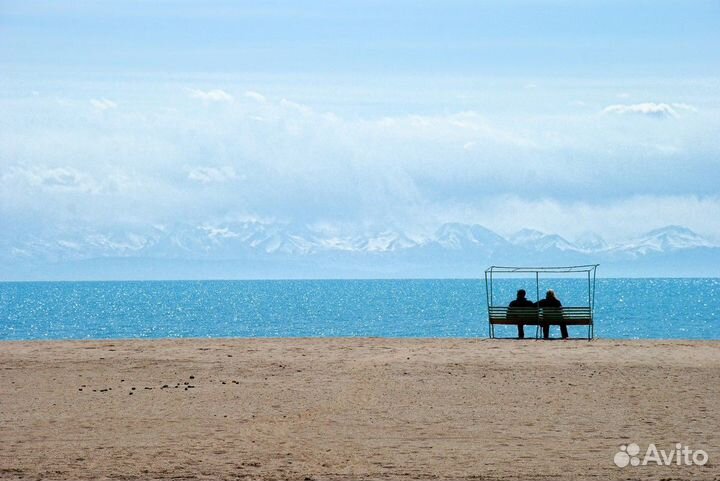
680, 456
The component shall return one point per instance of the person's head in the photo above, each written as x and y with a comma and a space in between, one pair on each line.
550, 294
521, 294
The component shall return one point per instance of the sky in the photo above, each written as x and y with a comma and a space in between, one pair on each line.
566, 117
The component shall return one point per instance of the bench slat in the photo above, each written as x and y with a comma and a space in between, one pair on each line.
571, 316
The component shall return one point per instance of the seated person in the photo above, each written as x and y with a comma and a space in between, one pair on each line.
520, 301
552, 313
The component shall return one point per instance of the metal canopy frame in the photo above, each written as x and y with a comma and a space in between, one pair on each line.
589, 269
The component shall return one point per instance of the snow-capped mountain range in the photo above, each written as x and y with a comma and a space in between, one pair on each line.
451, 246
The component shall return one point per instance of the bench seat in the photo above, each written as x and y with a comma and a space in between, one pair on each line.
533, 316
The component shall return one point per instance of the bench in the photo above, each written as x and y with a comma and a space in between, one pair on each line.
533, 316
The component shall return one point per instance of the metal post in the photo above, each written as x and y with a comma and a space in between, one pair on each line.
492, 301
589, 297
593, 288
537, 299
590, 307
487, 299
492, 327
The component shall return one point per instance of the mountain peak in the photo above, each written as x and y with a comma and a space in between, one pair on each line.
591, 242
540, 241
672, 230
455, 235
526, 235
249, 239
665, 239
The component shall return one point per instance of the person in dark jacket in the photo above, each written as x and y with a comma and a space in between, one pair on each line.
520, 301
552, 313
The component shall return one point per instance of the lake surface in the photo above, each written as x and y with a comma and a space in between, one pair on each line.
624, 308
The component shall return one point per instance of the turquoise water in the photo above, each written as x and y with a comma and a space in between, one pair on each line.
625, 308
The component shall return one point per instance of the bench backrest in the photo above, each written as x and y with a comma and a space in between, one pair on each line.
514, 315
577, 316
572, 316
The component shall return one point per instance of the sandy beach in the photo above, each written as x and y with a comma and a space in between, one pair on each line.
354, 408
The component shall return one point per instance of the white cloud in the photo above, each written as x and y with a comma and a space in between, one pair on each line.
258, 97
56, 179
304, 165
288, 104
218, 232
683, 106
64, 102
103, 104
469, 127
214, 95
651, 109
69, 245
207, 175
615, 220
